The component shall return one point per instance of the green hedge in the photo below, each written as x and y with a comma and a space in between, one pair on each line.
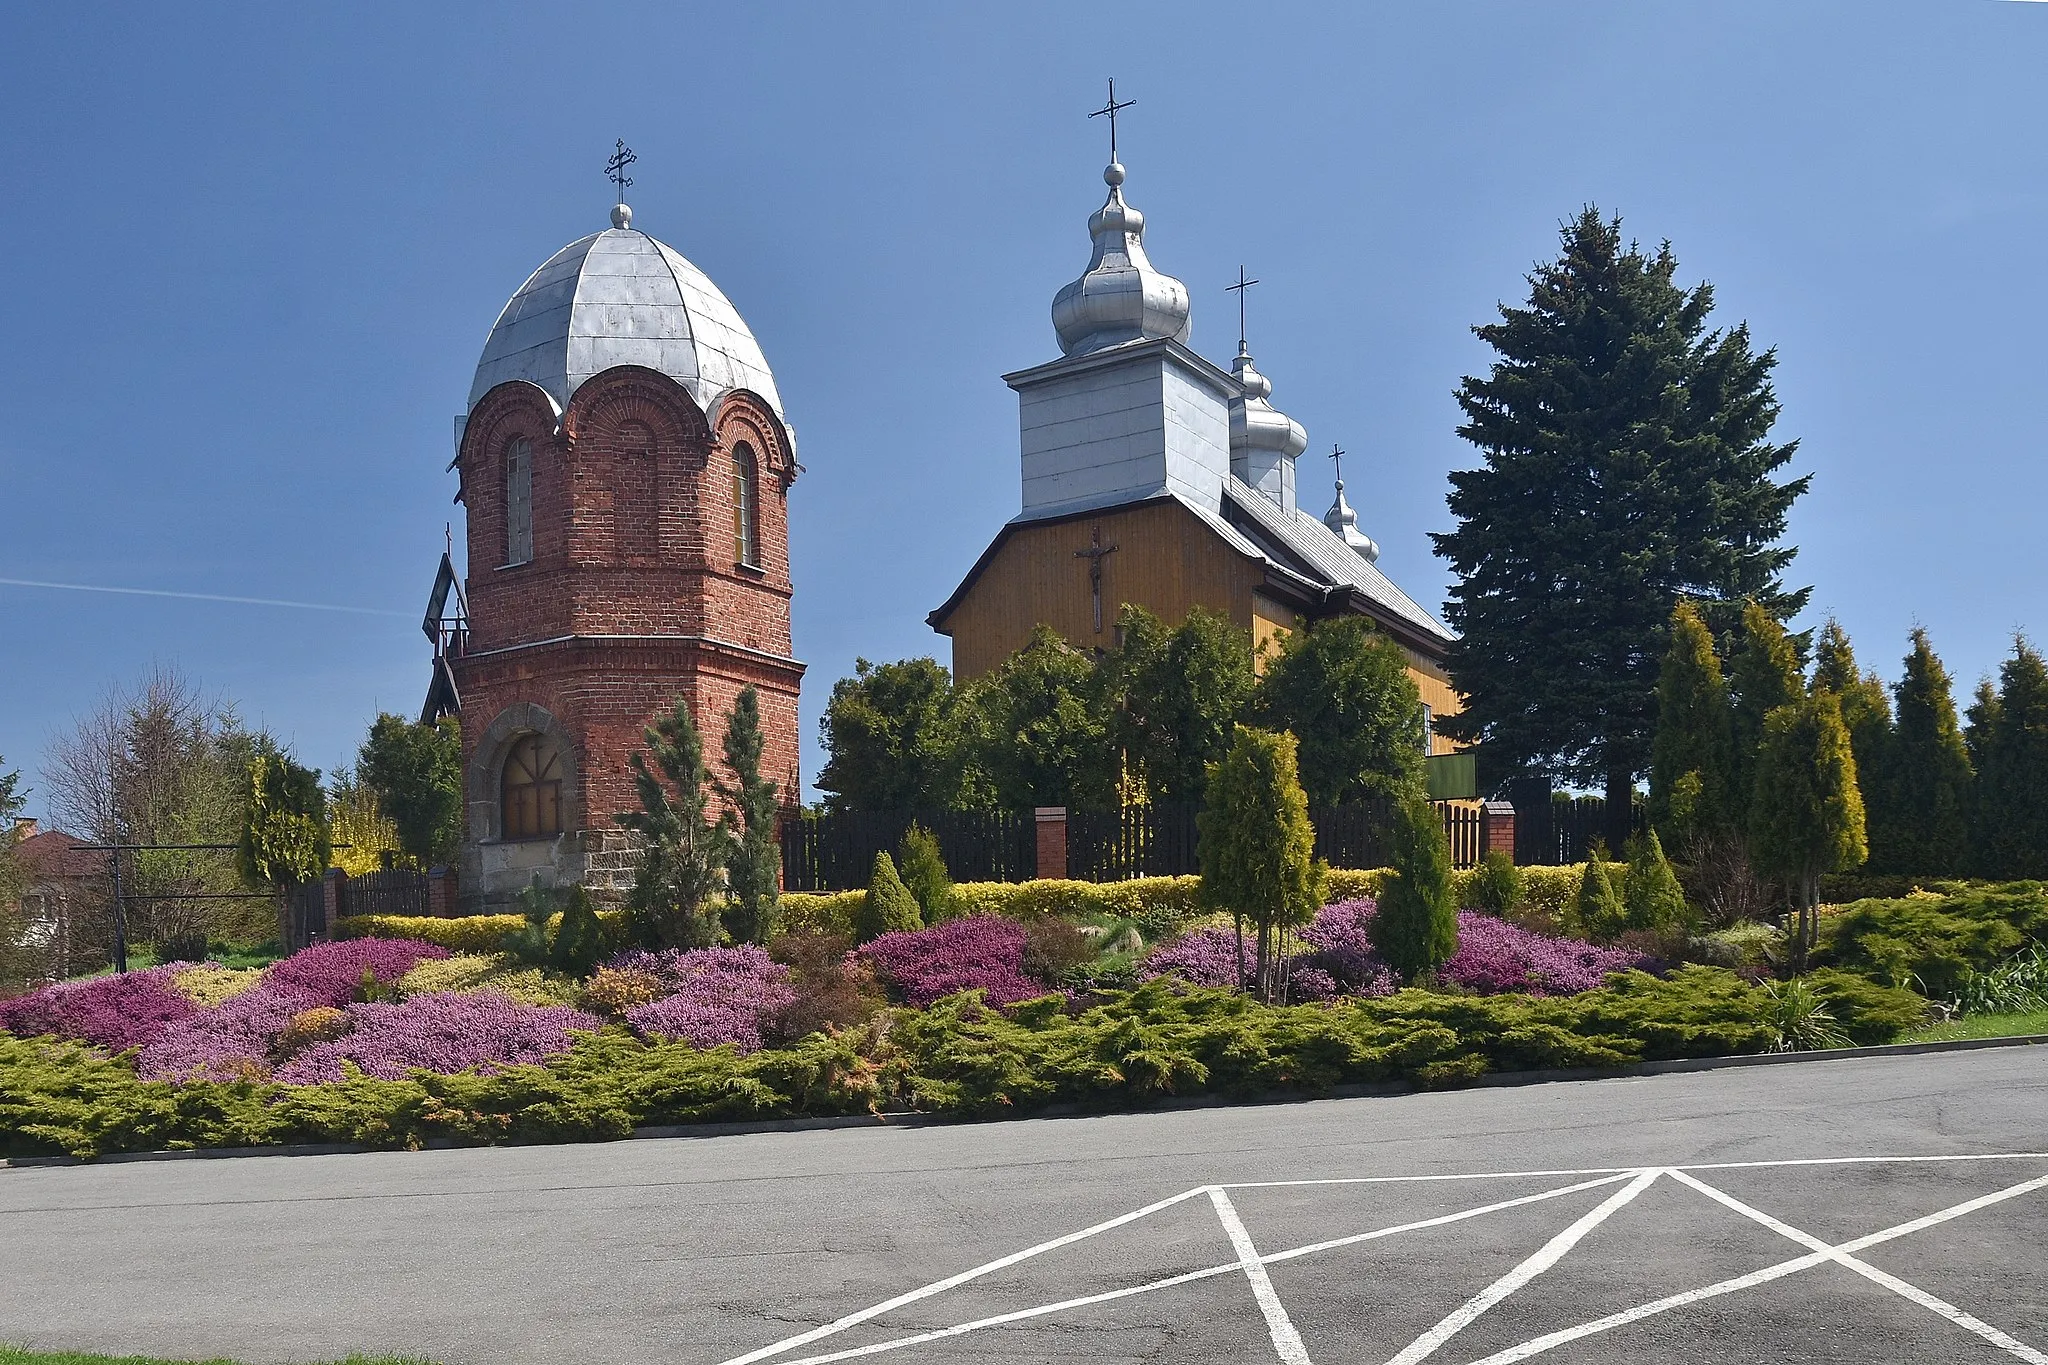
956, 1057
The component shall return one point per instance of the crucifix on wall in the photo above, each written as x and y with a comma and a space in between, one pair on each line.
1094, 554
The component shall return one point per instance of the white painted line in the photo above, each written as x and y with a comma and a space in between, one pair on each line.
1549, 1341
1630, 1170
1544, 1257
1286, 1341
940, 1286
1210, 1272
1870, 1272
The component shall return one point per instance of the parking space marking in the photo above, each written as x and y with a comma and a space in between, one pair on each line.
1287, 1341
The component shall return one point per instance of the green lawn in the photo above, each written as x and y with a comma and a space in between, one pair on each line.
1970, 1026
11, 1356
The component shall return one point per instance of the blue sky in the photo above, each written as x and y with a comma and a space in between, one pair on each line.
255, 251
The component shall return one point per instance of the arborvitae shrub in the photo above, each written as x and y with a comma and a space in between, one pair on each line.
923, 869
1416, 929
888, 905
1651, 896
1496, 885
579, 938
1601, 912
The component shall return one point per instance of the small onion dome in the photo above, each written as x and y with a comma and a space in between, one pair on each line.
1341, 519
620, 297
1122, 297
1255, 424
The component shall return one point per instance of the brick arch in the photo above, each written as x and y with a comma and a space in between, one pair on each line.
741, 415
633, 393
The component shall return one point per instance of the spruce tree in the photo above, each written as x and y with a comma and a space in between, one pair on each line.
1415, 929
1919, 805
2012, 786
682, 855
1690, 780
1343, 690
888, 907
753, 854
1627, 463
1807, 813
1764, 675
1256, 846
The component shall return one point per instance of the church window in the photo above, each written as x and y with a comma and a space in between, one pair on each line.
518, 502
530, 795
746, 505
1428, 728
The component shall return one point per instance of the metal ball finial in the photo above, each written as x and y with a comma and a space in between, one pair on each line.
622, 215
1113, 174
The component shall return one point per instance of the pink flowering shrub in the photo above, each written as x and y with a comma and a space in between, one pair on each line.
443, 1032
1335, 957
717, 996
228, 1042
1495, 956
114, 1012
979, 952
332, 973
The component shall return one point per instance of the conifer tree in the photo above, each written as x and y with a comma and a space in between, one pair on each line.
1807, 814
1866, 708
1598, 905
1920, 797
1628, 462
1416, 927
285, 838
1256, 846
682, 857
923, 870
888, 907
2012, 786
579, 938
753, 854
1764, 675
1690, 780
1652, 899
1343, 689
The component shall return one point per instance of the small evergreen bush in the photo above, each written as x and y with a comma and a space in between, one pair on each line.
888, 907
923, 870
1494, 886
1651, 897
1416, 929
1599, 906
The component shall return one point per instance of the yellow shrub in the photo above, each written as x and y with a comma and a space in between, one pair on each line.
496, 972
316, 1025
829, 912
210, 984
614, 990
464, 933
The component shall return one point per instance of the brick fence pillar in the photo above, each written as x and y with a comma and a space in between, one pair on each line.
1497, 829
441, 892
1052, 841
331, 888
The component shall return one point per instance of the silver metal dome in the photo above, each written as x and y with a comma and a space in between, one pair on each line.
1344, 522
622, 298
1255, 424
1121, 297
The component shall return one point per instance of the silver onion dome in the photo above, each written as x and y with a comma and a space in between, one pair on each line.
620, 297
1121, 297
1341, 519
1255, 424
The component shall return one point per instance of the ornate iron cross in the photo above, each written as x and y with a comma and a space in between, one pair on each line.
1111, 109
1094, 554
615, 168
1337, 455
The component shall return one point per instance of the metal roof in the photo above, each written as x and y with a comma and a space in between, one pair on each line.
1316, 549
620, 297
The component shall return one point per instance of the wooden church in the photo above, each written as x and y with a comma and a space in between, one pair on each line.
1155, 478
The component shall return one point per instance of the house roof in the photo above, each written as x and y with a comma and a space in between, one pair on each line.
56, 856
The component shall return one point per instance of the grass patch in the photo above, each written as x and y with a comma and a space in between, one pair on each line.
1956, 1030
12, 1356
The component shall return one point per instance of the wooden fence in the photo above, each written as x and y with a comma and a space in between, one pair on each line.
835, 850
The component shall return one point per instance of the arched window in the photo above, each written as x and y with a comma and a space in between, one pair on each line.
530, 790
746, 505
518, 502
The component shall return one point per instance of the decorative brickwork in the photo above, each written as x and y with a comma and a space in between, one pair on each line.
1052, 841
634, 597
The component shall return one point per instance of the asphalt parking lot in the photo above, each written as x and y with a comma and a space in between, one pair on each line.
1861, 1209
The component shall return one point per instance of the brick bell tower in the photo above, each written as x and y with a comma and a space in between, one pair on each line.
625, 468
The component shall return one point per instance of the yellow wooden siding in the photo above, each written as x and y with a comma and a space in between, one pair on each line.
1166, 561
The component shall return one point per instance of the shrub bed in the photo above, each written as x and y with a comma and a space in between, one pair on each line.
1933, 942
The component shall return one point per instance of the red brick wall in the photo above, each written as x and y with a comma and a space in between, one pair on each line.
633, 517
